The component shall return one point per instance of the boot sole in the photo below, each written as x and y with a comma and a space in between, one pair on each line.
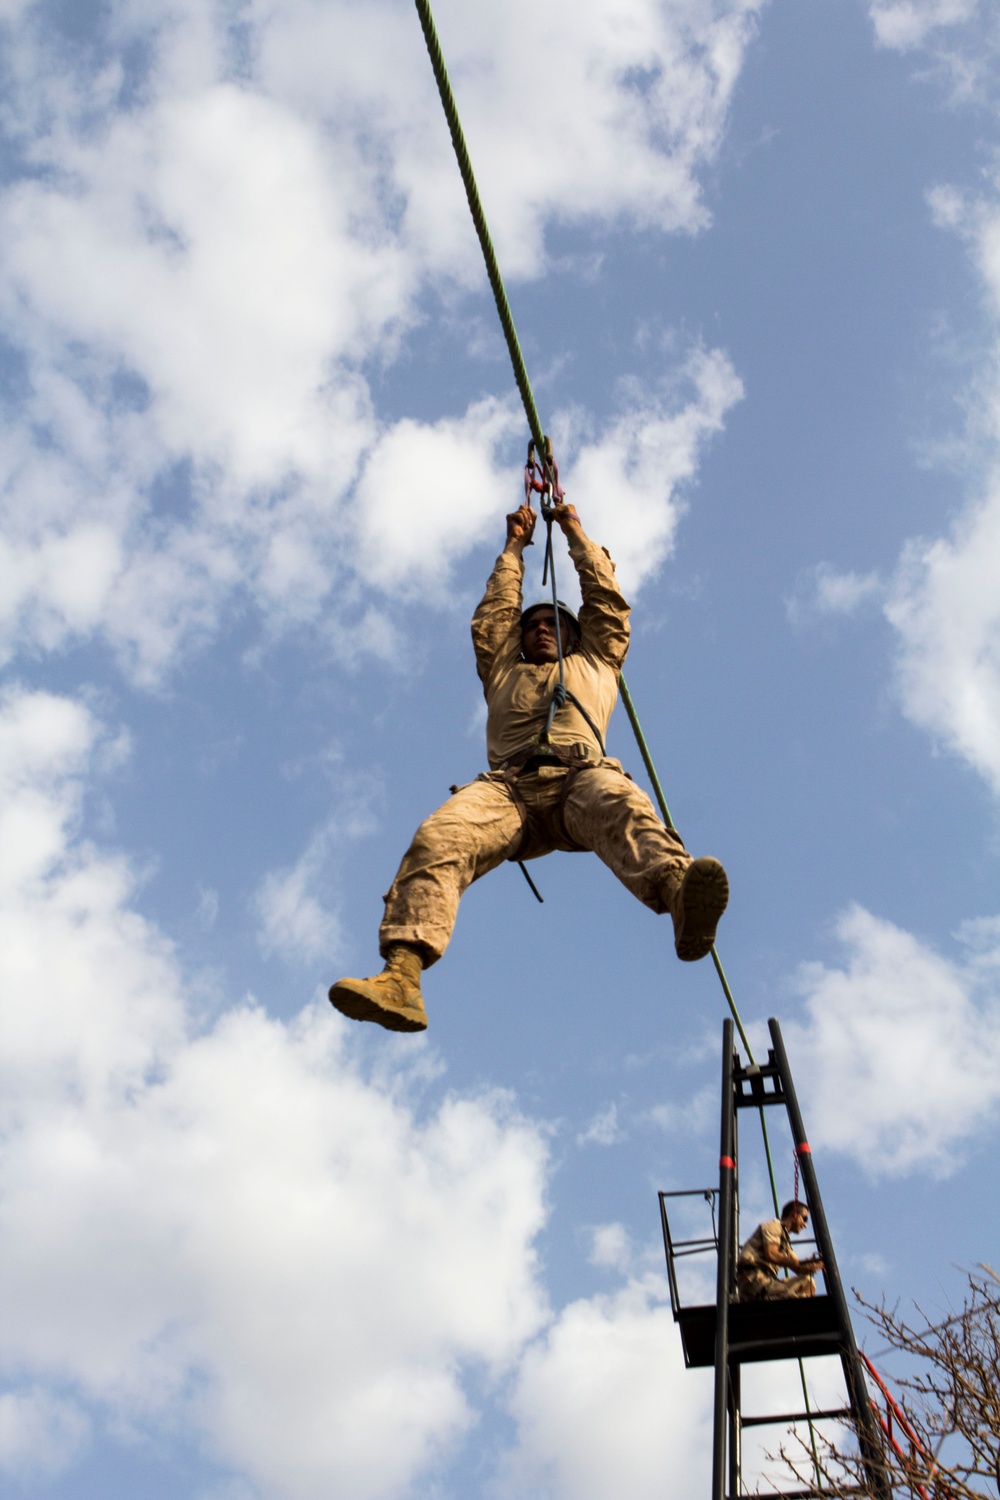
360, 1006
705, 898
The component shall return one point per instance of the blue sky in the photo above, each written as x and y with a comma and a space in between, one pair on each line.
259, 438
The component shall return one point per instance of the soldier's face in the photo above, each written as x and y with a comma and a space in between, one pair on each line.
538, 639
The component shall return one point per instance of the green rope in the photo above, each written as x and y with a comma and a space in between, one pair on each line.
479, 220
647, 759
640, 740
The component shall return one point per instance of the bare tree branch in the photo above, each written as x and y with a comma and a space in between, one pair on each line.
941, 1433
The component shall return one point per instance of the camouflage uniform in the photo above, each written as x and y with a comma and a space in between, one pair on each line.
520, 809
757, 1279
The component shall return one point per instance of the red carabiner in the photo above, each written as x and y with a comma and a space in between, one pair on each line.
542, 478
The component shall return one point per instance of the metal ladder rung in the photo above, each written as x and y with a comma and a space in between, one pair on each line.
847, 1489
797, 1416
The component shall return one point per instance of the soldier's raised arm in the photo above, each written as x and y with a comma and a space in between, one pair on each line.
604, 627
496, 624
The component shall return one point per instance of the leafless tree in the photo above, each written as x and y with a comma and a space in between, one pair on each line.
940, 1418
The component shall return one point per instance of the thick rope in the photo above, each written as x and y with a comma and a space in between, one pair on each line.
647, 758
647, 761
479, 220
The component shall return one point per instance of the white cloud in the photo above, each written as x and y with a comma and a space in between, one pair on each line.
207, 247
945, 607
315, 1265
824, 591
693, 1116
605, 1408
293, 921
625, 483
943, 600
430, 490
39, 1434
603, 1130
777, 1387
956, 41
293, 905
634, 103
202, 256
69, 943
909, 23
207, 910
610, 1247
899, 1049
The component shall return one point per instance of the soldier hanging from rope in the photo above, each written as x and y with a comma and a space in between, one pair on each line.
550, 784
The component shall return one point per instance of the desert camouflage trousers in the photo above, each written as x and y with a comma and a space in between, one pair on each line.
755, 1285
501, 816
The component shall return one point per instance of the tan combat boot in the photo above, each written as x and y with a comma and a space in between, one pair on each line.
696, 906
391, 998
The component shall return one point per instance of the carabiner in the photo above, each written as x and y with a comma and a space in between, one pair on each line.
541, 477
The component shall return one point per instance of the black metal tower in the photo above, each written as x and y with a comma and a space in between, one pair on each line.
733, 1333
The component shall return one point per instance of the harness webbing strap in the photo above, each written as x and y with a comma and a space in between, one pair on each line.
524, 871
561, 695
